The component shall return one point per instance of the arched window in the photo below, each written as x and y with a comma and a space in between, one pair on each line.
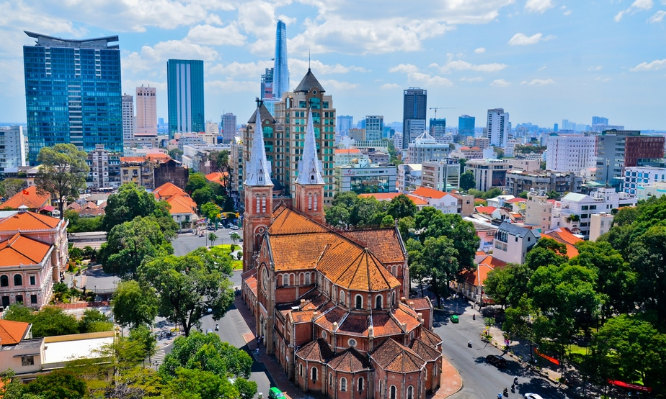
300, 369
309, 201
393, 298
359, 301
378, 302
330, 380
263, 203
258, 204
342, 297
333, 295
393, 392
292, 278
360, 384
4, 281
18, 279
301, 278
380, 387
314, 374
285, 280
395, 270
308, 280
410, 392
315, 202
343, 384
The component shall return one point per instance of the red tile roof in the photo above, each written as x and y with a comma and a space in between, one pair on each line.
182, 204
389, 196
384, 243
12, 332
26, 221
315, 351
217, 177
566, 237
349, 361
391, 356
20, 250
428, 192
477, 276
425, 351
514, 200
419, 303
347, 151
167, 190
28, 197
486, 210
430, 337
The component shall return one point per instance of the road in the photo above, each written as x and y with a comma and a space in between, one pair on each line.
188, 242
480, 379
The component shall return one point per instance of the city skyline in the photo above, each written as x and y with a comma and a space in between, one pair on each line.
543, 60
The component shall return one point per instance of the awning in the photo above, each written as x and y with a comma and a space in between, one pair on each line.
47, 208
627, 385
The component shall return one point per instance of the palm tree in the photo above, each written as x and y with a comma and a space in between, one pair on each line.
235, 237
212, 237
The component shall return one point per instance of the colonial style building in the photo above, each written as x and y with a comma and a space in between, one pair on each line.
331, 305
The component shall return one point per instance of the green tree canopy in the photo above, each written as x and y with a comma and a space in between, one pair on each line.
62, 173
134, 305
132, 201
9, 187
195, 181
401, 206
47, 322
467, 180
57, 384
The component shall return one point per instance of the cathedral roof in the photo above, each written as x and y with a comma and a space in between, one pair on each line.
349, 266
309, 170
391, 356
315, 351
424, 350
258, 171
288, 221
430, 338
349, 361
309, 82
384, 243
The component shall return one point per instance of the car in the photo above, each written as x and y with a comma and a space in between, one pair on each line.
454, 318
497, 361
532, 396
275, 393
234, 227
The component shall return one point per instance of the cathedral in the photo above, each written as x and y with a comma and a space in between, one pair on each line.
332, 306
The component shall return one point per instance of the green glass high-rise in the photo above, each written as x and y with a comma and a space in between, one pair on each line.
73, 93
185, 86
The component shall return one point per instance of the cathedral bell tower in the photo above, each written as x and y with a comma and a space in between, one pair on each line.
258, 195
309, 194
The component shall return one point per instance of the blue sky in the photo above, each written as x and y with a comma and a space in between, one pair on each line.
541, 60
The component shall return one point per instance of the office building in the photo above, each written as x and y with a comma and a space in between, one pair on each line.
599, 120
415, 103
374, 126
538, 210
574, 210
281, 68
657, 190
618, 149
409, 176
267, 85
128, 118
426, 148
512, 243
73, 93
441, 175
438, 128
146, 111
228, 127
600, 223
104, 169
363, 177
185, 87
571, 152
488, 173
637, 177
12, 149
465, 126
498, 127
518, 181
345, 122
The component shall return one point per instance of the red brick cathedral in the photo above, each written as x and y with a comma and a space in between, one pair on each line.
331, 305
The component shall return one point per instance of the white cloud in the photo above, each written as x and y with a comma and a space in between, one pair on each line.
155, 57
538, 82
474, 79
657, 17
319, 68
637, 5
420, 78
539, 6
650, 66
338, 86
405, 68
230, 86
480, 50
595, 68
542, 68
459, 65
389, 86
521, 39
216, 36
244, 69
500, 83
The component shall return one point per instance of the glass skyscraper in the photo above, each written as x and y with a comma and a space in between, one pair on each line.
415, 103
73, 93
280, 70
466, 126
185, 86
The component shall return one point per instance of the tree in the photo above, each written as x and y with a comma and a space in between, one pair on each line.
439, 261
134, 305
211, 211
176, 153
546, 252
94, 321
9, 187
62, 173
431, 222
467, 180
132, 201
195, 182
234, 237
131, 243
401, 206
47, 322
203, 195
57, 384
338, 216
647, 256
631, 349
221, 159
212, 237
199, 384
146, 339
187, 286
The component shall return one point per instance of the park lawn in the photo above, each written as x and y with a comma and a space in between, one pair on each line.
235, 264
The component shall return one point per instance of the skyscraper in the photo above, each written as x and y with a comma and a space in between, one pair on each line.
128, 118
438, 128
415, 103
374, 126
186, 96
281, 70
345, 122
465, 126
228, 127
146, 111
73, 93
12, 148
267, 85
498, 127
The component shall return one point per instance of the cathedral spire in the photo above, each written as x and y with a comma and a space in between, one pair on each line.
258, 169
309, 171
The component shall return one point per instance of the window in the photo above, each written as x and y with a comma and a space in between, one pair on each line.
27, 361
378, 302
393, 392
33, 299
360, 384
323, 334
285, 280
351, 342
309, 201
33, 280
300, 369
359, 302
330, 380
342, 297
410, 392
4, 281
343, 384
314, 374
315, 202
18, 279
19, 298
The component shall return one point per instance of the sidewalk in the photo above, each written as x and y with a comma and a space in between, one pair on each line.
451, 382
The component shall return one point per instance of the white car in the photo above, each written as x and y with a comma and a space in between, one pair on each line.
532, 396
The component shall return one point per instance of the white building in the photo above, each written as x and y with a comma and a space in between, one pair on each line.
228, 127
212, 130
348, 156
600, 223
146, 111
538, 210
488, 173
410, 176
441, 175
128, 117
426, 148
445, 202
374, 125
499, 127
364, 177
12, 148
575, 209
652, 190
636, 177
512, 242
571, 152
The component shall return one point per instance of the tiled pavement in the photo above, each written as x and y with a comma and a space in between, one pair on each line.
451, 381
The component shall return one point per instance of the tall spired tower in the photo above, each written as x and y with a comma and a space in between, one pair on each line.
280, 70
309, 193
258, 195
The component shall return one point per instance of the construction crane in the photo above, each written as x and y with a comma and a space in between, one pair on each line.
436, 108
